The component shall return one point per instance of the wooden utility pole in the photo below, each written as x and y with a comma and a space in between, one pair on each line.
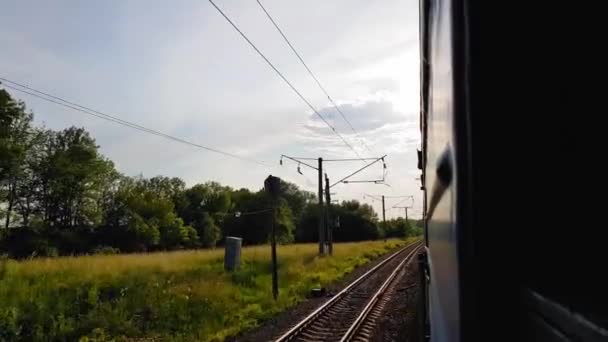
273, 241
273, 185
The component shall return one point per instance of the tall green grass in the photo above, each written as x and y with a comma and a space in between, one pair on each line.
182, 295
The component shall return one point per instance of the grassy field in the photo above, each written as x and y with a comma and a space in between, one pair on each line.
162, 296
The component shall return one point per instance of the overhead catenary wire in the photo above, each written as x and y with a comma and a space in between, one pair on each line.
313, 76
370, 195
347, 160
373, 197
334, 160
410, 197
359, 170
83, 109
297, 160
285, 79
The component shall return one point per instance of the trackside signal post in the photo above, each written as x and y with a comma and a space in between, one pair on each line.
272, 185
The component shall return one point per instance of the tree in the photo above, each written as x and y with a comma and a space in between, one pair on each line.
60, 195
357, 222
307, 227
15, 126
144, 234
207, 230
296, 199
74, 176
254, 222
204, 207
143, 214
174, 234
285, 223
396, 228
165, 187
30, 185
210, 197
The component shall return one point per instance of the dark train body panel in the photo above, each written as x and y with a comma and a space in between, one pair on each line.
497, 101
441, 142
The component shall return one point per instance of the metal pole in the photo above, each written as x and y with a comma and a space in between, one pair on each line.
383, 211
328, 225
321, 215
406, 220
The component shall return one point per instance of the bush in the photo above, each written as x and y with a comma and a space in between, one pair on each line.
105, 250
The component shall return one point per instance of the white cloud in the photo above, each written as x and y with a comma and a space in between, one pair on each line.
183, 70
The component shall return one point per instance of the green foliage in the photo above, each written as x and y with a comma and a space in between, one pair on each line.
143, 234
14, 127
15, 140
60, 196
165, 296
254, 229
203, 207
207, 230
296, 199
357, 222
285, 224
399, 227
74, 174
417, 228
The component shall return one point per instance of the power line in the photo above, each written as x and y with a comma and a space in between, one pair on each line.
72, 105
284, 79
313, 76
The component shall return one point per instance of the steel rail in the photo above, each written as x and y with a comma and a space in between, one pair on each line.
294, 331
370, 305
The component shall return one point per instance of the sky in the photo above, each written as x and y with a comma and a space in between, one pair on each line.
180, 68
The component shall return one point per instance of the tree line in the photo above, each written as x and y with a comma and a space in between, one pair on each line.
60, 196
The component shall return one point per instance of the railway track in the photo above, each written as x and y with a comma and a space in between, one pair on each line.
352, 313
